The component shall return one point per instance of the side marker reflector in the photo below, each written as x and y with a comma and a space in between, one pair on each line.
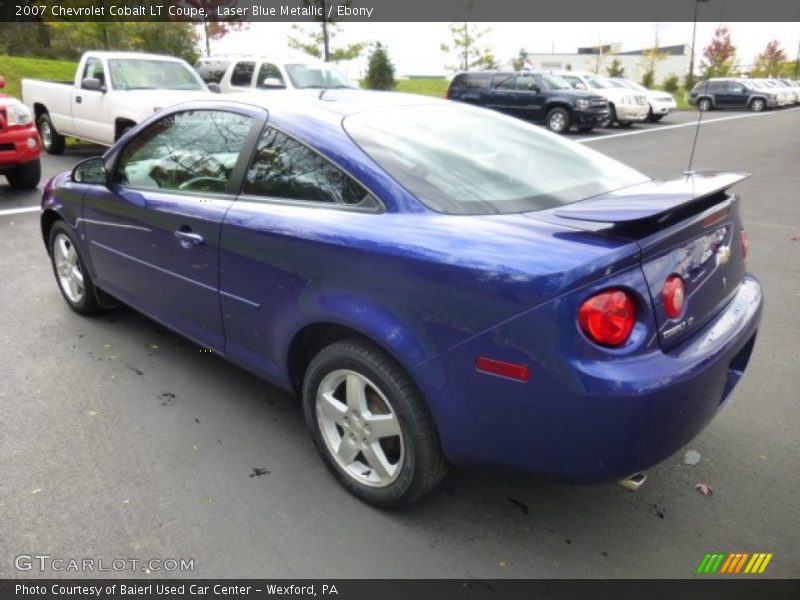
504, 369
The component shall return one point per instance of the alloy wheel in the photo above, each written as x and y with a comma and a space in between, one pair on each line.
68, 268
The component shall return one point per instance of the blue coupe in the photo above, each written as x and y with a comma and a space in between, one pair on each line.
439, 283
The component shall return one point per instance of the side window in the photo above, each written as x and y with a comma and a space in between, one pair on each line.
94, 70
284, 168
525, 82
269, 71
737, 88
470, 81
503, 82
243, 74
188, 151
717, 87
575, 82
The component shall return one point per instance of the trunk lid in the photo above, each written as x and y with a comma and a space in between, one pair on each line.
689, 227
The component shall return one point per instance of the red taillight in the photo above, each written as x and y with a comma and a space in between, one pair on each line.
504, 369
674, 296
745, 244
608, 317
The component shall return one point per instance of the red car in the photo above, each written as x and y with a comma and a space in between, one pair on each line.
20, 145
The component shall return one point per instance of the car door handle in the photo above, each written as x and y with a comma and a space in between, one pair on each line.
189, 239
78, 99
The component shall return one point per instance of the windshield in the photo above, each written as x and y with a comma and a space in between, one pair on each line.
153, 74
317, 76
463, 160
554, 82
631, 84
599, 83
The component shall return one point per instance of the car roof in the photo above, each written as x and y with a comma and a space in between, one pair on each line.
144, 55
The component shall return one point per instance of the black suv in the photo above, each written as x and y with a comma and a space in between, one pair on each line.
730, 93
532, 96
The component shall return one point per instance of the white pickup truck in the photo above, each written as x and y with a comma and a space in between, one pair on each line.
112, 92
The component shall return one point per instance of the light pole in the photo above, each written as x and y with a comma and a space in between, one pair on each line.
694, 34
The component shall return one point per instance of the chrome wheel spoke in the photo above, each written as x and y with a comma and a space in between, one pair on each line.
376, 460
382, 426
331, 407
356, 393
347, 451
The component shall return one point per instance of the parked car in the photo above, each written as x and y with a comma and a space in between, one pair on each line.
785, 94
793, 87
440, 283
212, 68
661, 103
111, 93
540, 97
20, 145
730, 93
624, 106
246, 73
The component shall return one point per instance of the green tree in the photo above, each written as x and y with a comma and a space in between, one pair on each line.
380, 72
671, 83
519, 62
770, 62
650, 59
317, 41
466, 48
615, 69
719, 55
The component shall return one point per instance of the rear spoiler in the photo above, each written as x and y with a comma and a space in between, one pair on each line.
651, 199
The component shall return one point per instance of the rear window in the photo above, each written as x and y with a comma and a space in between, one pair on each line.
471, 80
463, 160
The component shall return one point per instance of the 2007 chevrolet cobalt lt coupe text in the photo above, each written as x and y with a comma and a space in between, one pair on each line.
440, 283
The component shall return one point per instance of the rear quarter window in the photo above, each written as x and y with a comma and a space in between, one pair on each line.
471, 80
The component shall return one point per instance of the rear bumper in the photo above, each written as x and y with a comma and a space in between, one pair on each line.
17, 148
585, 420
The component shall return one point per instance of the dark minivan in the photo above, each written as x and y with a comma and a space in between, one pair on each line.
533, 96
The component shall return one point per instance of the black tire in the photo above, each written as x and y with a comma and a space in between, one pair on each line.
558, 120
657, 118
87, 304
625, 124
704, 104
52, 142
421, 464
612, 117
757, 104
25, 176
586, 128
650, 116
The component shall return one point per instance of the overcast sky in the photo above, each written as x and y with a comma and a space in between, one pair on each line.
414, 47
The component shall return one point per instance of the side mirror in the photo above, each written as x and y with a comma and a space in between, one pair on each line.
91, 170
214, 88
93, 84
2, 83
272, 83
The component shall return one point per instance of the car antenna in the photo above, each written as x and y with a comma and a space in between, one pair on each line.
688, 172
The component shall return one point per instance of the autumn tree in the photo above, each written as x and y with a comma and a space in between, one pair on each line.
770, 62
317, 41
719, 55
218, 28
465, 46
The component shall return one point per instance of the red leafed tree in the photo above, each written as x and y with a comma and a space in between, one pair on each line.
720, 54
219, 27
770, 62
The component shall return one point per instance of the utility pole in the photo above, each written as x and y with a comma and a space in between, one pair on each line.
694, 33
325, 37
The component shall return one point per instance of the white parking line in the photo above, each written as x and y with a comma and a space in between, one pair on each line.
19, 211
689, 124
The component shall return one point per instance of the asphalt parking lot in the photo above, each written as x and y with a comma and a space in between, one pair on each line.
119, 439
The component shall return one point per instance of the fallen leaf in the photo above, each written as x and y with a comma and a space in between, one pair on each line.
36, 491
692, 458
502, 563
126, 502
704, 489
92, 413
154, 346
795, 238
